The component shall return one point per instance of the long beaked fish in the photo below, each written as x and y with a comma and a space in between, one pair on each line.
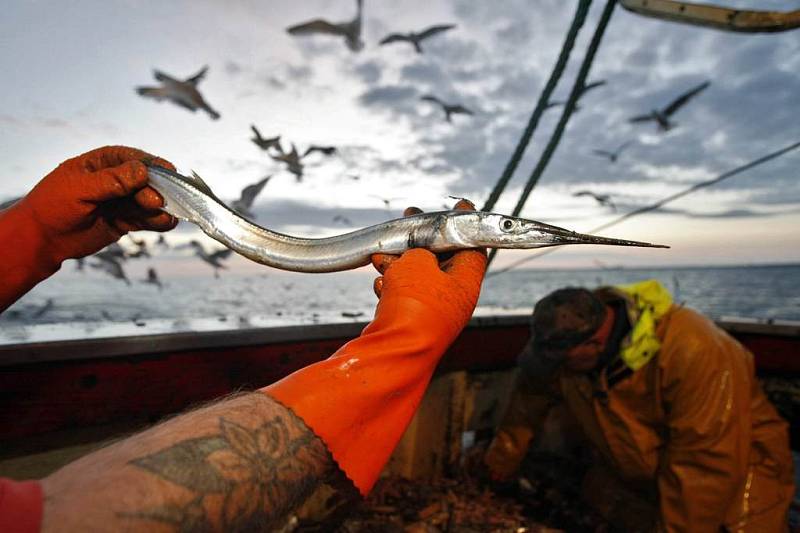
190, 198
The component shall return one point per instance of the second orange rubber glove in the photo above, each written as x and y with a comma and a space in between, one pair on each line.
361, 399
83, 205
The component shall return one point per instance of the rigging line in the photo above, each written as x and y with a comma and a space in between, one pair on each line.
663, 201
569, 108
541, 105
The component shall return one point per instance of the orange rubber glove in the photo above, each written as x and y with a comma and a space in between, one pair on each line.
81, 207
361, 399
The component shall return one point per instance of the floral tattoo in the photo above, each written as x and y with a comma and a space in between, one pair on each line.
242, 479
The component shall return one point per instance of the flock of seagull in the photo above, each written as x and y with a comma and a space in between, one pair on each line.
662, 118
186, 94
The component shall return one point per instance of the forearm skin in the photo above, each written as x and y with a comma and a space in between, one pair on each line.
238, 465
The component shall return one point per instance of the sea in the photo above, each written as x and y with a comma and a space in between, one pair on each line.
78, 305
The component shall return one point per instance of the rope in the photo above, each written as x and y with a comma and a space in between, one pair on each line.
569, 108
664, 201
541, 105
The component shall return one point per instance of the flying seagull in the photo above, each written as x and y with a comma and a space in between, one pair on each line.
326, 150
152, 278
39, 313
343, 219
183, 93
585, 89
141, 248
292, 160
416, 38
111, 267
265, 143
449, 109
602, 199
662, 116
350, 30
386, 201
112, 253
212, 258
612, 156
247, 197
162, 242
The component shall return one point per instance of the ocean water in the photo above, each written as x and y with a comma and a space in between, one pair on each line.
73, 305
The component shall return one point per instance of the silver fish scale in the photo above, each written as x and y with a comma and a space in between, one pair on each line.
189, 198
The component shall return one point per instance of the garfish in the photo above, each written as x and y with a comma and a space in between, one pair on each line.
190, 198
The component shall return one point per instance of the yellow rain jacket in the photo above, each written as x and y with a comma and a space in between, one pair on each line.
690, 426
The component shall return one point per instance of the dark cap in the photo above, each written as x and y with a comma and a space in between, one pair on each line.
561, 320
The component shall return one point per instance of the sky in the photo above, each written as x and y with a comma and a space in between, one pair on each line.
71, 69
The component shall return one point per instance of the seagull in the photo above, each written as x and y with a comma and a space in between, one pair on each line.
213, 258
183, 93
112, 253
612, 156
152, 278
111, 267
350, 30
265, 143
292, 160
386, 201
162, 242
48, 305
602, 199
586, 88
141, 248
343, 219
448, 109
326, 150
662, 116
247, 197
415, 38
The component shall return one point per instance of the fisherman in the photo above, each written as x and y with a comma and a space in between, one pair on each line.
683, 437
242, 463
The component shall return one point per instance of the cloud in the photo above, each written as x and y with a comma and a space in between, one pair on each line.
369, 71
392, 97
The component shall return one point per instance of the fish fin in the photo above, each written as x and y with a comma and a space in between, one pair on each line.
198, 182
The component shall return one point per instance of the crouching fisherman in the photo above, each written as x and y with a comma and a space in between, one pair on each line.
683, 435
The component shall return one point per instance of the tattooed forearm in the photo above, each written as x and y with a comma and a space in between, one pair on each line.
242, 478
239, 465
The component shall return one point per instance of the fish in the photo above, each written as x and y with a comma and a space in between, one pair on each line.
189, 198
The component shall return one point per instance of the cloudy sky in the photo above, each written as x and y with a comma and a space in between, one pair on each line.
71, 68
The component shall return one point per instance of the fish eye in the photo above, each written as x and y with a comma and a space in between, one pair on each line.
507, 224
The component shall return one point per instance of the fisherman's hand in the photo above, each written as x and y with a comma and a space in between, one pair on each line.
449, 284
90, 201
361, 399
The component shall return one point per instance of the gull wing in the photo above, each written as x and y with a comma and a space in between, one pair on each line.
316, 26
433, 30
164, 78
250, 192
640, 118
460, 109
327, 150
431, 98
194, 80
685, 97
220, 254
603, 153
583, 193
623, 146
393, 38
589, 86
